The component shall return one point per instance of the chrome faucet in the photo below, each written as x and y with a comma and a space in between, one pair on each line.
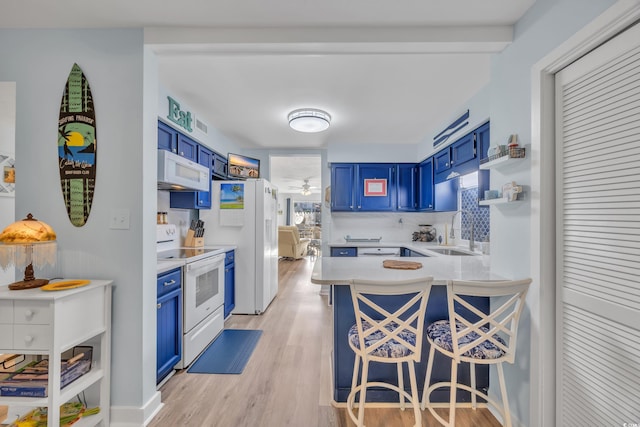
452, 234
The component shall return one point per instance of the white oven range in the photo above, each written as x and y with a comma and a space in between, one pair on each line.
202, 291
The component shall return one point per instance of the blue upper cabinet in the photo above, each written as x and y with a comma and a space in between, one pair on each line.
167, 138
363, 187
376, 187
482, 143
441, 164
425, 185
342, 188
407, 186
463, 154
187, 147
219, 170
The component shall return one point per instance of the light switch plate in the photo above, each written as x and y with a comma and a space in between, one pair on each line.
119, 219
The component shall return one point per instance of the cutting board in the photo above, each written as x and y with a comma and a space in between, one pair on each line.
401, 265
77, 147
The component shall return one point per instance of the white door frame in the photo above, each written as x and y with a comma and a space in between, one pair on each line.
614, 20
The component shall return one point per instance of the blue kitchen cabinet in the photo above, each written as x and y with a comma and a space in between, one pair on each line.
219, 167
446, 195
195, 199
229, 283
167, 137
187, 147
441, 164
342, 186
425, 185
463, 154
483, 142
407, 186
169, 322
344, 252
375, 187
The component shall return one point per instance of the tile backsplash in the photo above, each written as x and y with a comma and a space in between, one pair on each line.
481, 216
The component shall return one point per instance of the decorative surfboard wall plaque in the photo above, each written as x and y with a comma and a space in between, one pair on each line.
77, 147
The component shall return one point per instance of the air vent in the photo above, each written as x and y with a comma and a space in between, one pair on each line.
201, 126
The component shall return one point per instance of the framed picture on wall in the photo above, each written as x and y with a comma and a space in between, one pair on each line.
375, 187
8, 175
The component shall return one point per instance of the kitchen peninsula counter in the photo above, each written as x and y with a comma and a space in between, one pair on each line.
340, 271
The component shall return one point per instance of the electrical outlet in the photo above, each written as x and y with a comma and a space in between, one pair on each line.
119, 219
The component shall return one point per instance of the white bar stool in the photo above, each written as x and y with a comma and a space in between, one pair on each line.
382, 336
477, 338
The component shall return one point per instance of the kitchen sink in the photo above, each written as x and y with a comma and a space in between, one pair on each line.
451, 251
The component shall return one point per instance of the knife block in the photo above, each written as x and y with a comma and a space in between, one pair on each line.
192, 241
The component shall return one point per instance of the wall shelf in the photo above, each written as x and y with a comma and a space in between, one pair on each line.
505, 160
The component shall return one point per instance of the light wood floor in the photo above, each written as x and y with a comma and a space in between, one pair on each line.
287, 379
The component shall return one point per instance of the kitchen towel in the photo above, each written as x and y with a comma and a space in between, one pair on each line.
228, 353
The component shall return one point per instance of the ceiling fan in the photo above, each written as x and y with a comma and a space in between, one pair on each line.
305, 190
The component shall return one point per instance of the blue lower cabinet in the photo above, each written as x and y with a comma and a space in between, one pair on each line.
337, 252
343, 356
169, 323
229, 283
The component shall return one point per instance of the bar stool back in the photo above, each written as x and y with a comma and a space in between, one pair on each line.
477, 338
380, 335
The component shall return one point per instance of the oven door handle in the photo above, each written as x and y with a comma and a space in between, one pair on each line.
206, 264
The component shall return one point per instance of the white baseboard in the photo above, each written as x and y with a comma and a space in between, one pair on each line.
129, 416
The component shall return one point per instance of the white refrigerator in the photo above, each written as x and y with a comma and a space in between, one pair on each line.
244, 213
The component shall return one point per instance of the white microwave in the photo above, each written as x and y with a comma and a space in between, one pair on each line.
178, 173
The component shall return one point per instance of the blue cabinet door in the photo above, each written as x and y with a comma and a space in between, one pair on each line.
344, 252
187, 147
425, 185
446, 195
205, 158
169, 323
407, 186
219, 168
463, 154
442, 161
342, 186
483, 142
229, 283
376, 187
167, 137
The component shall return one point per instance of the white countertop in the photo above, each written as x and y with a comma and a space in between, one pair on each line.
166, 265
341, 270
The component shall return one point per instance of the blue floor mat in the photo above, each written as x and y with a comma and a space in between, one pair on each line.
228, 353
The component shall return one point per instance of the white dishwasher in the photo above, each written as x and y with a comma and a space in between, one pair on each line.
378, 251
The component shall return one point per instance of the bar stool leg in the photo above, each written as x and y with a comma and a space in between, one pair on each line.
400, 384
472, 372
415, 401
505, 400
453, 394
363, 392
427, 378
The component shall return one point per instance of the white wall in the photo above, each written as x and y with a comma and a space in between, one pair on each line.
39, 62
7, 146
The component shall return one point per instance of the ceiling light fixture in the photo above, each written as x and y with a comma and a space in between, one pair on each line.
309, 120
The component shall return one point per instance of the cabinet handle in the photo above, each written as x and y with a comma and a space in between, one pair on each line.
28, 339
159, 306
226, 270
182, 153
28, 314
169, 283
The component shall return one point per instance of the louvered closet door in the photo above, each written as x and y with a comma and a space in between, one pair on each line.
598, 236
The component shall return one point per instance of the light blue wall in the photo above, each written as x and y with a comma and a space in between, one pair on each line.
39, 62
